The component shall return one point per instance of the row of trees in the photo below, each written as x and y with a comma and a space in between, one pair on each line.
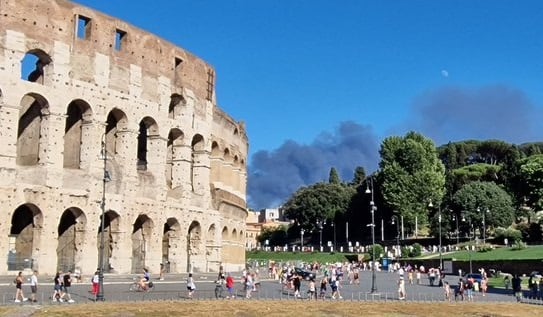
466, 182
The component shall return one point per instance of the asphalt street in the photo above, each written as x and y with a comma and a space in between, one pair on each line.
173, 287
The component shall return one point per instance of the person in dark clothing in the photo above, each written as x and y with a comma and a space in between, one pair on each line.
516, 282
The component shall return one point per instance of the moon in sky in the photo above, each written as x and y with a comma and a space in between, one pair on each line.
444, 73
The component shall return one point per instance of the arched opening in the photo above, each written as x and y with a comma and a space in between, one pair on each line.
215, 162
141, 233
112, 234
173, 158
170, 242
198, 147
148, 128
116, 123
24, 236
177, 102
71, 235
78, 112
33, 66
32, 129
234, 235
194, 244
224, 234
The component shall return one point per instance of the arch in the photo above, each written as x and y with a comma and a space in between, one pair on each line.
236, 132
71, 235
148, 128
226, 155
224, 233
170, 242
173, 157
234, 234
112, 234
198, 147
215, 149
24, 236
211, 232
177, 102
115, 123
77, 113
236, 161
194, 244
34, 64
32, 129
141, 234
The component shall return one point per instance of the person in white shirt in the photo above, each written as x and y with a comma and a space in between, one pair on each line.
34, 286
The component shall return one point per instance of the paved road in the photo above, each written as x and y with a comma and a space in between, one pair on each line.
174, 288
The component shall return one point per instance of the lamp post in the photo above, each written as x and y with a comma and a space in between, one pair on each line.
439, 220
395, 221
484, 223
372, 210
334, 226
302, 231
105, 179
320, 225
455, 218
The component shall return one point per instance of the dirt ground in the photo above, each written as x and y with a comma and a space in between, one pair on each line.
277, 308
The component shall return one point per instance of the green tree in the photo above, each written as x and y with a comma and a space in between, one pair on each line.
275, 236
478, 198
334, 176
531, 181
321, 201
359, 176
411, 175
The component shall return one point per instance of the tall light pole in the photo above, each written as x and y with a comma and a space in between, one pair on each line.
484, 223
302, 231
372, 210
455, 218
320, 225
334, 226
105, 179
439, 220
395, 221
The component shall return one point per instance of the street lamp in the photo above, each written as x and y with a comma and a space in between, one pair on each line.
105, 178
455, 218
395, 221
373, 208
302, 231
484, 224
439, 220
320, 225
334, 226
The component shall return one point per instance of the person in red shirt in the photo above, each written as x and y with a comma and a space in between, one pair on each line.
230, 286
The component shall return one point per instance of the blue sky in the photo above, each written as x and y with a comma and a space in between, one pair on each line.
321, 83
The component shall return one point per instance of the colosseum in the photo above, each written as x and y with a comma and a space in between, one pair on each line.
114, 152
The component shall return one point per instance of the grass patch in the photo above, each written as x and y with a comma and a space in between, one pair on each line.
530, 253
299, 308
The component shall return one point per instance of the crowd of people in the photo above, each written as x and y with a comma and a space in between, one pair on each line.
61, 289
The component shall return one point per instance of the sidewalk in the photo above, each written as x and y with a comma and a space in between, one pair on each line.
120, 278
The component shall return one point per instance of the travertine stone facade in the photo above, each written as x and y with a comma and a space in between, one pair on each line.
111, 120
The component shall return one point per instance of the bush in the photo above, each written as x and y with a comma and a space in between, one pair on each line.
412, 251
519, 245
511, 234
378, 251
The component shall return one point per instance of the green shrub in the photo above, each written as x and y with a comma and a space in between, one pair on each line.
519, 245
511, 234
379, 251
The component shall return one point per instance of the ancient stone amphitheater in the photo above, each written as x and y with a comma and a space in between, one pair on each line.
113, 151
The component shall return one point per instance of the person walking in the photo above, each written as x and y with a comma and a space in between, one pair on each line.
19, 279
191, 287
57, 288
230, 286
96, 284
516, 283
401, 288
34, 285
67, 283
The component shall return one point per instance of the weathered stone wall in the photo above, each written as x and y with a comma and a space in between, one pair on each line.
139, 108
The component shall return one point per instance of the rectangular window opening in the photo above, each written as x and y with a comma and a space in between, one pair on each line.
210, 84
83, 27
120, 38
178, 63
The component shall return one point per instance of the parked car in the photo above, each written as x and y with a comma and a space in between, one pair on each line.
477, 277
536, 274
305, 274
